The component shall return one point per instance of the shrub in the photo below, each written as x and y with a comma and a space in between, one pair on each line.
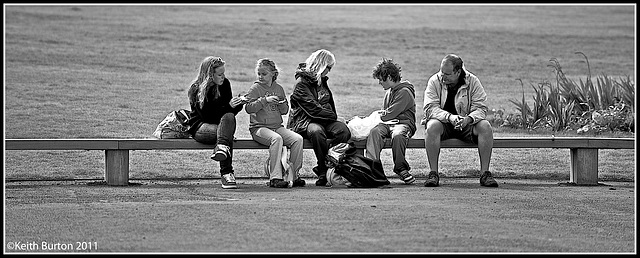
607, 105
618, 117
529, 118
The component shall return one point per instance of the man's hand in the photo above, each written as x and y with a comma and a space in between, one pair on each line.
454, 119
462, 122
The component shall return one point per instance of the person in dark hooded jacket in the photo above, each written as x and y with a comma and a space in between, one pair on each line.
313, 113
398, 117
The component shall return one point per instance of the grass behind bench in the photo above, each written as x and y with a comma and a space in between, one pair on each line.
507, 163
116, 71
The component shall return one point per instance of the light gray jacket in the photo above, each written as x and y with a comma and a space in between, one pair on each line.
469, 100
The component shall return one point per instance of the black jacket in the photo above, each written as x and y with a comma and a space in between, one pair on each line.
306, 105
213, 108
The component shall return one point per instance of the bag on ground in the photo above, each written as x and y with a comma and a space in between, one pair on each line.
347, 167
285, 164
360, 127
174, 125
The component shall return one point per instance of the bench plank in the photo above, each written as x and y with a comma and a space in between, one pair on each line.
61, 144
504, 142
155, 144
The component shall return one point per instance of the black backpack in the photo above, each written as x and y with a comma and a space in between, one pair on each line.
359, 170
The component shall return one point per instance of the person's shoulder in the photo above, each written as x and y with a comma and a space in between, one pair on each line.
469, 76
407, 89
406, 82
254, 86
277, 85
433, 77
302, 82
192, 87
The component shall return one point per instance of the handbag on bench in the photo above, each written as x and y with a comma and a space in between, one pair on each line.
174, 126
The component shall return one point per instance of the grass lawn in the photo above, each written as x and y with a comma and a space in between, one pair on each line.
107, 71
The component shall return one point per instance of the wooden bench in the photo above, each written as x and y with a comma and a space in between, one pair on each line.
584, 150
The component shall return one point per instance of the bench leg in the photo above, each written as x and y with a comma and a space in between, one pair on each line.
584, 166
117, 167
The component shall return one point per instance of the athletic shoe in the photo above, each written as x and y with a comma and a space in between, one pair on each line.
406, 177
487, 180
220, 153
322, 177
278, 183
299, 182
433, 179
228, 181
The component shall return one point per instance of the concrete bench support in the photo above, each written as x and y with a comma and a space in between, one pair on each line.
584, 166
117, 167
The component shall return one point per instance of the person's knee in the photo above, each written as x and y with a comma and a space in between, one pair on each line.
315, 131
276, 139
344, 133
228, 118
483, 129
375, 132
399, 136
433, 128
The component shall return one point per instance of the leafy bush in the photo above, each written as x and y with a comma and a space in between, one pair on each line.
618, 117
607, 105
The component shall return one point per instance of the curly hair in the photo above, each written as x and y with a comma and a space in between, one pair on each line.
387, 68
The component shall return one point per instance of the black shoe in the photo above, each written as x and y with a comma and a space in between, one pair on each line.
299, 182
278, 183
322, 181
487, 180
322, 177
433, 179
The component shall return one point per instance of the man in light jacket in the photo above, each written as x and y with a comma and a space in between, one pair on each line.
454, 107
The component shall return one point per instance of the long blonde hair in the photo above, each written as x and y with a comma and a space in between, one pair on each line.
204, 80
318, 61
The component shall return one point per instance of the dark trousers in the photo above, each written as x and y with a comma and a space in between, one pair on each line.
323, 136
221, 133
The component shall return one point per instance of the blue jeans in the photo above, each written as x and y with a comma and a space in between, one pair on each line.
275, 139
221, 133
325, 135
399, 134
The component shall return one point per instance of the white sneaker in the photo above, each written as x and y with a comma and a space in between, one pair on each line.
228, 181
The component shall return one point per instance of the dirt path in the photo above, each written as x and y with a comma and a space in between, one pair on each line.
531, 216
